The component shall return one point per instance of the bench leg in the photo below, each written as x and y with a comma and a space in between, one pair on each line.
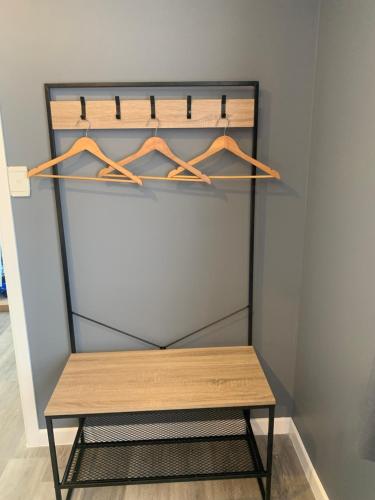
54, 463
271, 419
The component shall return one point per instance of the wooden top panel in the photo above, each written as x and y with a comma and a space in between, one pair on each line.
117, 382
135, 113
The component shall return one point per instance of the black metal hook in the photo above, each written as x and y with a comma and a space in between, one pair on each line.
152, 104
83, 108
118, 108
223, 106
188, 107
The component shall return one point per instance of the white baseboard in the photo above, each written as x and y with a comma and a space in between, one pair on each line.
260, 425
63, 436
307, 466
283, 425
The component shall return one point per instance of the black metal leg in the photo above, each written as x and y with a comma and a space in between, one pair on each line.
81, 422
52, 450
271, 419
79, 437
70, 494
254, 451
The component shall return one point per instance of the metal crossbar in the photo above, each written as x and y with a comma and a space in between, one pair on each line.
153, 344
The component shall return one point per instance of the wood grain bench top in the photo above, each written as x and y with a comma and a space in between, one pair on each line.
152, 380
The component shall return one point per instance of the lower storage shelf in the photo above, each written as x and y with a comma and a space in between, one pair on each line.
162, 446
153, 461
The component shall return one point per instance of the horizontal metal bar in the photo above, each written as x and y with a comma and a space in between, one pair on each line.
251, 83
160, 479
96, 414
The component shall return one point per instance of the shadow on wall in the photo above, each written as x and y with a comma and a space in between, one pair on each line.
284, 398
367, 430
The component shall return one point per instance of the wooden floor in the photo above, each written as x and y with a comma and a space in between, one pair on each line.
25, 473
3, 304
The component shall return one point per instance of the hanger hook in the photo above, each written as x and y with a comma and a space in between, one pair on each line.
157, 121
88, 124
88, 127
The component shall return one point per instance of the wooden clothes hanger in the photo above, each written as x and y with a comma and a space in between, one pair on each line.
155, 143
80, 145
224, 142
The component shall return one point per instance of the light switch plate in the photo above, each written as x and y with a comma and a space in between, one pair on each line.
19, 183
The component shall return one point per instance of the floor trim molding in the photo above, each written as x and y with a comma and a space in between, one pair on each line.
307, 466
283, 425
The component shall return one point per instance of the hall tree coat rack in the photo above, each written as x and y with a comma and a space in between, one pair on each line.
106, 114
187, 417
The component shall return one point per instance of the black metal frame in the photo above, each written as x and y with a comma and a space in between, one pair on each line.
260, 471
56, 183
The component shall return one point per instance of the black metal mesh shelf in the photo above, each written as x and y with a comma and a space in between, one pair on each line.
162, 446
164, 425
145, 461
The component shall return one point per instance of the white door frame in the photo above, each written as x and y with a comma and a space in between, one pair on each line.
16, 304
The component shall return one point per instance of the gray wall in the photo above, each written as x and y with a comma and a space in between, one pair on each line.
69, 41
335, 372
